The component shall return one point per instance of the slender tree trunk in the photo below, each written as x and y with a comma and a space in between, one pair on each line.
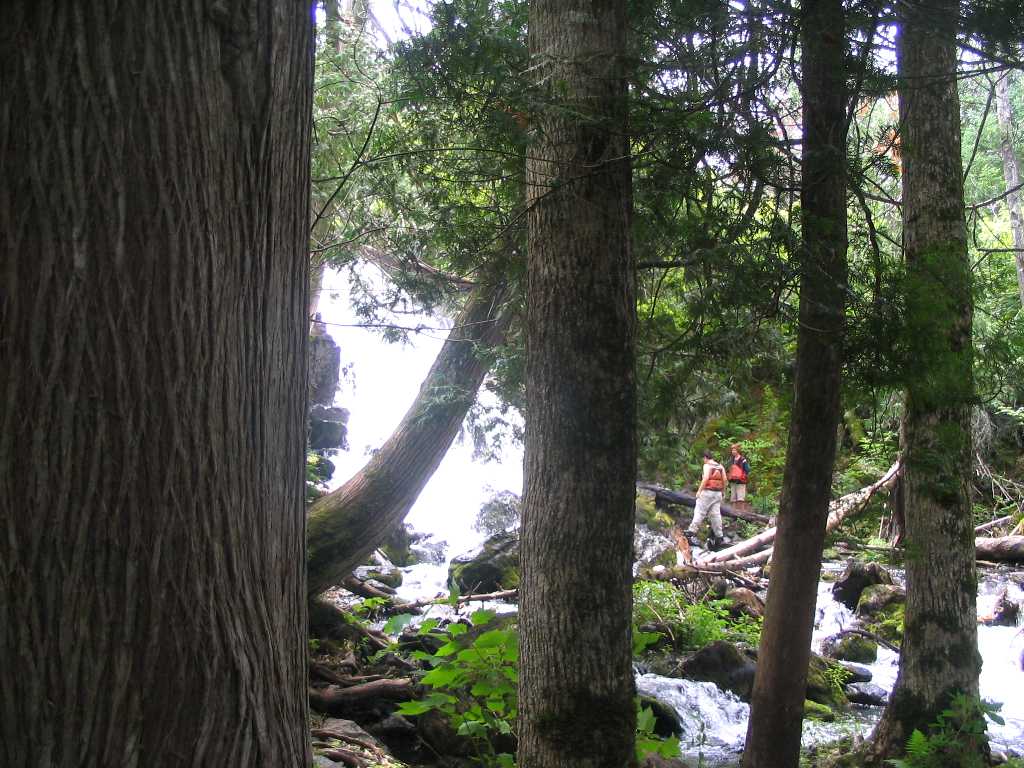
777, 700
939, 654
576, 683
1011, 173
153, 240
348, 524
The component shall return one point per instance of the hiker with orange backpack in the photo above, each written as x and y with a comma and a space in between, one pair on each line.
738, 472
709, 502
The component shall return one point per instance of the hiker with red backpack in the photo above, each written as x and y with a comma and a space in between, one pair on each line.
709, 502
738, 472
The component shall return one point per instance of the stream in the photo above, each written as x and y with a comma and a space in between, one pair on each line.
384, 382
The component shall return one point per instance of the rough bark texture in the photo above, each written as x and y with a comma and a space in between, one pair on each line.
1011, 172
153, 221
576, 683
777, 701
939, 653
346, 525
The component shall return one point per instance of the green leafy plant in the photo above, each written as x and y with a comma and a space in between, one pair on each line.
473, 679
647, 741
955, 740
689, 625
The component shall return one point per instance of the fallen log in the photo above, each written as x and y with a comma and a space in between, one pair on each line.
840, 510
667, 496
505, 594
1003, 548
335, 699
993, 524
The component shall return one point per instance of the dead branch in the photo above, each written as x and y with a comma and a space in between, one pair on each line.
337, 699
685, 499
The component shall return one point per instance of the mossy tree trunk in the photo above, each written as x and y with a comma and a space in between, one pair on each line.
777, 701
576, 683
346, 525
154, 217
939, 654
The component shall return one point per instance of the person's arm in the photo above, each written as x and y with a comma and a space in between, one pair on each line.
705, 474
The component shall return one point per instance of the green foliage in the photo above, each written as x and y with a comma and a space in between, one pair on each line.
473, 678
498, 514
647, 741
955, 740
689, 625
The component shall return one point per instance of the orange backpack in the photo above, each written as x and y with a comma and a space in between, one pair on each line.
716, 480
736, 473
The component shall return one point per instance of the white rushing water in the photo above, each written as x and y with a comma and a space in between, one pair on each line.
384, 381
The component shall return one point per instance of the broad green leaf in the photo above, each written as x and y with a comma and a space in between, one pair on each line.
396, 624
482, 616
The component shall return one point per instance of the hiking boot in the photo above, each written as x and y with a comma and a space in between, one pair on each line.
691, 537
714, 543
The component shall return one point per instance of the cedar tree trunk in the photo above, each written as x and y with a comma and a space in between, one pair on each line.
347, 524
153, 245
939, 653
576, 682
777, 701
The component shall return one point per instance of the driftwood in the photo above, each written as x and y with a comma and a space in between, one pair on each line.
364, 589
740, 555
505, 594
335, 699
993, 524
685, 499
1004, 548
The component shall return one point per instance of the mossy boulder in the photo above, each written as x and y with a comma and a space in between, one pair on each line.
814, 710
493, 567
848, 646
881, 611
826, 680
855, 579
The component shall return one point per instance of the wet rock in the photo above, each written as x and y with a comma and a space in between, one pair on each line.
324, 366
666, 721
494, 567
826, 680
1005, 613
814, 710
744, 602
723, 664
855, 578
848, 646
385, 574
856, 673
867, 693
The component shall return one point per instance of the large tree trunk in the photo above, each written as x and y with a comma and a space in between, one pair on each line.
1011, 172
154, 215
939, 654
576, 683
777, 700
346, 525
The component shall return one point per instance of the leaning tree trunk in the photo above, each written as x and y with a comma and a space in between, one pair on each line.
1011, 173
576, 682
154, 214
777, 700
939, 654
348, 524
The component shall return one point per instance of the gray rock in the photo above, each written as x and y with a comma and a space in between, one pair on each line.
324, 367
867, 693
328, 428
